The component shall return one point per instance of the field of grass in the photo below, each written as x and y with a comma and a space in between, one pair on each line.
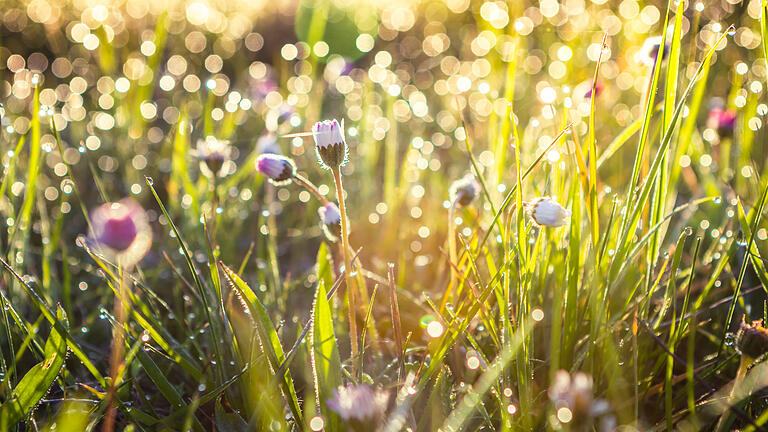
553, 215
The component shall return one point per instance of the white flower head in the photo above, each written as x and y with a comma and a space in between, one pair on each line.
330, 143
331, 218
650, 50
213, 153
547, 212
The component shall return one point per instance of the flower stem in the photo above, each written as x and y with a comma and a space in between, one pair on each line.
308, 185
744, 365
452, 246
117, 355
349, 280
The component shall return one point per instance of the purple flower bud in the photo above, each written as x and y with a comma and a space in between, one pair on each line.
723, 121
121, 231
331, 218
278, 169
330, 143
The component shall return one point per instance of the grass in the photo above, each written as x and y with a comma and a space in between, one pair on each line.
245, 316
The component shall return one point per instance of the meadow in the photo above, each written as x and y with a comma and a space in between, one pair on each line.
427, 215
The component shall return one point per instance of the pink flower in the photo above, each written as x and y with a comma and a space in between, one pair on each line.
121, 231
723, 121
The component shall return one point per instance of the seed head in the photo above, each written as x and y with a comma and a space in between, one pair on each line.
752, 339
278, 169
464, 190
547, 212
331, 218
121, 231
330, 143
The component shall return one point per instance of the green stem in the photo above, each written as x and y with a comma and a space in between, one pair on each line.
452, 246
118, 348
347, 268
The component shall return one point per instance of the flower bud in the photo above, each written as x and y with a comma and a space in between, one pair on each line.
330, 144
723, 121
213, 153
752, 339
278, 169
464, 190
121, 231
331, 218
547, 212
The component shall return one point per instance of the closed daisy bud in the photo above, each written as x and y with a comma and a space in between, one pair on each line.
121, 231
330, 143
752, 339
213, 153
278, 169
547, 212
464, 190
331, 218
360, 407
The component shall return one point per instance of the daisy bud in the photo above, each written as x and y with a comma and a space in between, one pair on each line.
278, 169
723, 121
464, 190
752, 339
121, 231
213, 153
330, 144
547, 212
331, 218
360, 406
